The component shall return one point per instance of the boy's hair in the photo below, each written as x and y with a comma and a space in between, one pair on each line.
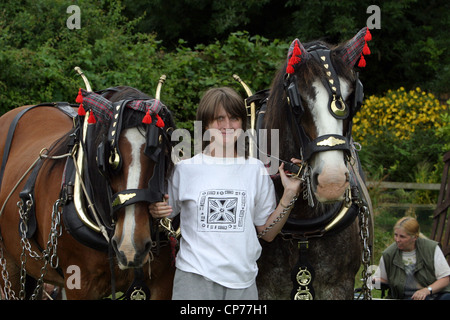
226, 97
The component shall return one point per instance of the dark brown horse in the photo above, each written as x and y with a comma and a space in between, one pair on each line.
82, 197
312, 100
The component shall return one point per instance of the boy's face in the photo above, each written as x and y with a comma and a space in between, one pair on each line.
228, 127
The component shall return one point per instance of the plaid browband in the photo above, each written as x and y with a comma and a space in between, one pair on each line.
103, 108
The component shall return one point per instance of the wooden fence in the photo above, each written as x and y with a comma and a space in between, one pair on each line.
405, 186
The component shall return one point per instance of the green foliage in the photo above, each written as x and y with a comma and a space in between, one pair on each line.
117, 45
41, 68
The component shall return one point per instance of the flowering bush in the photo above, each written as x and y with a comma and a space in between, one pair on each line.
398, 114
401, 131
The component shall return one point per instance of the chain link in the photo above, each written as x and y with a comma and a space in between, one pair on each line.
9, 293
366, 254
279, 218
49, 255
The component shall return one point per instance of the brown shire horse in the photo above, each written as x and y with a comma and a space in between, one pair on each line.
84, 268
311, 102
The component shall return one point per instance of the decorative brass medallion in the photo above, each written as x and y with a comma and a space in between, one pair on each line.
303, 277
138, 294
330, 142
303, 295
122, 198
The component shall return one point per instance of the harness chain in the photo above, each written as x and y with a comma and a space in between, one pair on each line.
48, 255
366, 254
279, 218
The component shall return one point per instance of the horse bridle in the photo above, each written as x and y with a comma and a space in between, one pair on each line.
336, 106
109, 159
333, 220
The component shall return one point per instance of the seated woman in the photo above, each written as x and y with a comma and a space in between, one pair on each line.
413, 266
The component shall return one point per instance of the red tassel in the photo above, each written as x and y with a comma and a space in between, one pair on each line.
368, 35
296, 51
81, 111
294, 60
362, 62
147, 119
159, 122
290, 69
173, 249
79, 98
366, 50
91, 119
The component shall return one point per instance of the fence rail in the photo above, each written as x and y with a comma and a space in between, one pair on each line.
406, 186
403, 185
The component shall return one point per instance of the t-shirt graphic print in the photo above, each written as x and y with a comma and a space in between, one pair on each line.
221, 210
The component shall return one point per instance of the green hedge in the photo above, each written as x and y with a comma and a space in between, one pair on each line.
37, 63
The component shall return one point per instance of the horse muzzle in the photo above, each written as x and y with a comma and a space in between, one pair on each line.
330, 183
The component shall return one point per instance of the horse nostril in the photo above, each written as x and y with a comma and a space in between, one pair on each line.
315, 179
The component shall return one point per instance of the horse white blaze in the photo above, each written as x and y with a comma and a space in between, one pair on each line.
329, 172
126, 244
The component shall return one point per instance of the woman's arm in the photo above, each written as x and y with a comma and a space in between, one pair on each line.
436, 286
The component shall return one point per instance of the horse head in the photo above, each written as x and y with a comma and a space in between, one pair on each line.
317, 92
128, 162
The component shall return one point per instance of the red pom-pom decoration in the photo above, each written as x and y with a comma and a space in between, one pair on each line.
362, 62
159, 122
81, 111
294, 59
79, 98
296, 51
148, 118
366, 50
290, 69
91, 119
368, 35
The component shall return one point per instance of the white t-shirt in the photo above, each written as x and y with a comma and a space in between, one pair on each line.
220, 201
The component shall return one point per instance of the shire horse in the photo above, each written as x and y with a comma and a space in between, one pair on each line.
312, 101
83, 222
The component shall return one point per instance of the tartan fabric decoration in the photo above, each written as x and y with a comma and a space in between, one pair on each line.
102, 108
356, 48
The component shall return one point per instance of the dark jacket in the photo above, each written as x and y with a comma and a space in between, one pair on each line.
424, 272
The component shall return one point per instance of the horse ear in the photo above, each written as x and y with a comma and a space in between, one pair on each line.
296, 54
355, 49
